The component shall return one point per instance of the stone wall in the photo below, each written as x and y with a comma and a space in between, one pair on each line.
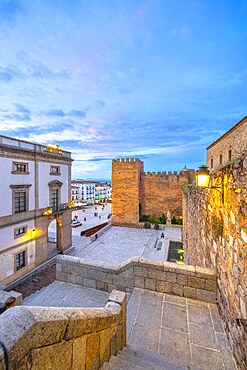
62, 338
163, 192
155, 192
165, 277
215, 236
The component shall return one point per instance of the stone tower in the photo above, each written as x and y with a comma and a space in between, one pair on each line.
126, 191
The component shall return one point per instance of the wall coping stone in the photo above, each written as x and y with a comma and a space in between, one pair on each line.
24, 329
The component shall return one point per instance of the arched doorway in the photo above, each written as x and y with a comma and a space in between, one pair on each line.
52, 239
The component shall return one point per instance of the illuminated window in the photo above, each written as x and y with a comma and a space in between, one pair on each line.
20, 168
20, 260
20, 231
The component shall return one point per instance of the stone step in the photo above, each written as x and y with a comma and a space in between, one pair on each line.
131, 358
148, 360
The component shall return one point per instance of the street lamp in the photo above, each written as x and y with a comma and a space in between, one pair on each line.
204, 180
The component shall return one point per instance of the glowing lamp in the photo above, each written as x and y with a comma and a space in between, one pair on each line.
202, 177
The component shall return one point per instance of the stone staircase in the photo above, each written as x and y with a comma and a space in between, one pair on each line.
131, 358
166, 332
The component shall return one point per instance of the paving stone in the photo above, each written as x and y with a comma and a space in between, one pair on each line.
205, 358
226, 352
217, 322
132, 308
152, 298
175, 317
150, 318
175, 347
199, 314
202, 335
144, 337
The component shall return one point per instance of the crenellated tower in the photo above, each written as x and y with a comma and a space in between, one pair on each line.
126, 191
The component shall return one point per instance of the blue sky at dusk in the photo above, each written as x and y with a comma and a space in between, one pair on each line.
155, 79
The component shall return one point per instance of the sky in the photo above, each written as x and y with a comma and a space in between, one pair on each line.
158, 80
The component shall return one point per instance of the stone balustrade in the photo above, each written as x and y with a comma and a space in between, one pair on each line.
165, 277
62, 338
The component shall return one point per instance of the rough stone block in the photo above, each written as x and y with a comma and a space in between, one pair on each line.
61, 276
164, 286
117, 297
128, 273
82, 322
177, 290
44, 325
90, 283
139, 282
211, 285
189, 292
104, 322
182, 279
156, 274
196, 282
79, 353
181, 269
205, 296
102, 286
171, 277
205, 273
150, 284
93, 351
133, 261
140, 271
124, 281
105, 345
53, 357
79, 280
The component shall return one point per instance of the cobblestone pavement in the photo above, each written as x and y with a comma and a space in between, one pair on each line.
60, 294
188, 333
118, 244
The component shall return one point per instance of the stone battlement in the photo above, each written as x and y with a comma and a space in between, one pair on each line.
126, 160
164, 174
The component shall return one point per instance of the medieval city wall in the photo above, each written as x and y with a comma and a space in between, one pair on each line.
135, 192
163, 192
215, 236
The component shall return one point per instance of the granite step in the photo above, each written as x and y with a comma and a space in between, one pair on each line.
131, 358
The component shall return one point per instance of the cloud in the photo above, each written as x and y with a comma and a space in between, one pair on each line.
61, 113
21, 108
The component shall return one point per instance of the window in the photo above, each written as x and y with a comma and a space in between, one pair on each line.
20, 168
20, 201
20, 231
54, 199
229, 155
220, 158
20, 260
54, 170
212, 163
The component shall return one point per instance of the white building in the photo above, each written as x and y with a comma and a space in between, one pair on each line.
102, 192
35, 192
75, 193
86, 190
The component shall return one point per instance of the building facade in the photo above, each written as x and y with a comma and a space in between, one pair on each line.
75, 193
135, 193
228, 147
35, 191
102, 192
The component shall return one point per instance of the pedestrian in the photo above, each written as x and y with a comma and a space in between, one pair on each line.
85, 219
99, 216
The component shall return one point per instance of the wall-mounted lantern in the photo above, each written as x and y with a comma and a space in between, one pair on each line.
204, 180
